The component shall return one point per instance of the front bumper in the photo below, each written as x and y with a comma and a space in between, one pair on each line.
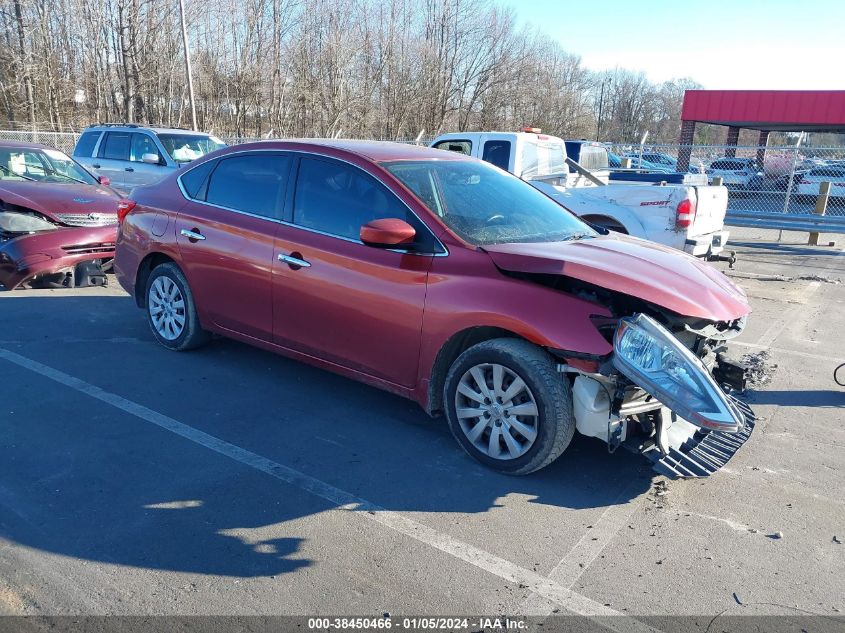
29, 257
690, 452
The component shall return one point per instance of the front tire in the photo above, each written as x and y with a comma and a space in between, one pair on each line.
508, 407
171, 311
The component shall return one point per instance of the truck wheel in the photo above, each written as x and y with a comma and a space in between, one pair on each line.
508, 407
606, 223
171, 312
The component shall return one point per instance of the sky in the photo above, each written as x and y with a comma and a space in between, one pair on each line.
745, 44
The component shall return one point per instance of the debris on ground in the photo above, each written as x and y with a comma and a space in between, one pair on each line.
736, 597
759, 368
775, 535
836, 540
783, 278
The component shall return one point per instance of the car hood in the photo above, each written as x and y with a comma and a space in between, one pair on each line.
52, 198
651, 272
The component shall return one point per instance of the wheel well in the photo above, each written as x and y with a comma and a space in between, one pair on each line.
607, 222
144, 269
454, 347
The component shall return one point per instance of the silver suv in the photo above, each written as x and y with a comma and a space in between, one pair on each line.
131, 155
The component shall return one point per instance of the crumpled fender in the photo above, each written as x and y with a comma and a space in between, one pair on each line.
28, 256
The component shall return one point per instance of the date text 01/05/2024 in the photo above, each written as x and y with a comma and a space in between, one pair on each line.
418, 623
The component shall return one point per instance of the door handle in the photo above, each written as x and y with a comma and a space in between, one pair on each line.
128, 169
193, 235
294, 262
95, 166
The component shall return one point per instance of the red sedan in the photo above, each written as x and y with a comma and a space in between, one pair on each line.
58, 223
446, 280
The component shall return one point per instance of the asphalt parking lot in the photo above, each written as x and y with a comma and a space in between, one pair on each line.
134, 480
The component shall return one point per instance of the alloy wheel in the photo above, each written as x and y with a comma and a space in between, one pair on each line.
497, 411
166, 308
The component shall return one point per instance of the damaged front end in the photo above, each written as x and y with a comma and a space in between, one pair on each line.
56, 257
667, 395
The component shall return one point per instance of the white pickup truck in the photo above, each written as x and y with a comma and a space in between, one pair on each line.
689, 217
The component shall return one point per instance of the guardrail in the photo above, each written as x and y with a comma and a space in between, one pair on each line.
787, 221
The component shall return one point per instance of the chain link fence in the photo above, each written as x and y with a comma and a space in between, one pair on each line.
773, 179
64, 141
760, 179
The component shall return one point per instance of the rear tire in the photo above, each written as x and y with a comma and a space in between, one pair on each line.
171, 311
510, 426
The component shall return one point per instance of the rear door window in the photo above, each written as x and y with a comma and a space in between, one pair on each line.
462, 147
86, 144
115, 146
497, 153
252, 183
193, 181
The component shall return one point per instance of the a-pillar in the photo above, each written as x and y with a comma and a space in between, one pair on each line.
685, 142
762, 142
731, 141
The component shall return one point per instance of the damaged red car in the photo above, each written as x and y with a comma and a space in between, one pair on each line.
448, 281
58, 223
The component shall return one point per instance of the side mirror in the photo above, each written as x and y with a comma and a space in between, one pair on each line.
387, 233
103, 181
151, 159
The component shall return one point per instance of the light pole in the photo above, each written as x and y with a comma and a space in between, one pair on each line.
188, 66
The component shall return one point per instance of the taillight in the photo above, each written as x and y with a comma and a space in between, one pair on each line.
685, 214
123, 209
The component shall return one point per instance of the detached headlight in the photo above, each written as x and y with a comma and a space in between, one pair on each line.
648, 355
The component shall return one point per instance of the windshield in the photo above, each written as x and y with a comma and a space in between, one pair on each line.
183, 148
485, 205
41, 165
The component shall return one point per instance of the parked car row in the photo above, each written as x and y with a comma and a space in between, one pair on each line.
58, 215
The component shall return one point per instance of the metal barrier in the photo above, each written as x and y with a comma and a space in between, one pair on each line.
787, 221
761, 179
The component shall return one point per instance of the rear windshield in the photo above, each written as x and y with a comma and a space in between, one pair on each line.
85, 145
729, 164
830, 172
542, 158
593, 157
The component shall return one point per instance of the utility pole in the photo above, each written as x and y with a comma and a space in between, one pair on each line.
604, 80
188, 66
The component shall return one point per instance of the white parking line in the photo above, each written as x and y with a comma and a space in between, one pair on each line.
587, 549
545, 587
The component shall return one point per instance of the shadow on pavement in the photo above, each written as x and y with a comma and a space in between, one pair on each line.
801, 397
83, 479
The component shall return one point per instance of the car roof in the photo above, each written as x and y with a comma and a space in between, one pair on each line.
132, 126
376, 151
23, 145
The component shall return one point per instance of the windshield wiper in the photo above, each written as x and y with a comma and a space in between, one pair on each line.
58, 173
12, 173
53, 172
576, 236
